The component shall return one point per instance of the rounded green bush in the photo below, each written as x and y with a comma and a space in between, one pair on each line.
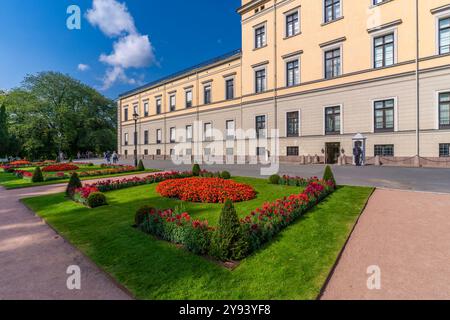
196, 170
226, 175
37, 175
274, 179
96, 199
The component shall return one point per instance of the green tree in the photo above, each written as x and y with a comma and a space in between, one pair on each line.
4, 135
52, 112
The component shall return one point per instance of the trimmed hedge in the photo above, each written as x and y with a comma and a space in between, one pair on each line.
74, 183
328, 175
96, 199
37, 175
274, 179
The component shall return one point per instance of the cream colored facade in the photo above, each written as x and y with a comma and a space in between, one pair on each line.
355, 89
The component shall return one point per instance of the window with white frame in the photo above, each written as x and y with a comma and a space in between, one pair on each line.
146, 109
384, 115
292, 124
444, 110
260, 126
172, 135
172, 102
189, 133
444, 35
158, 136
333, 120
333, 63
292, 73
146, 137
207, 131
444, 150
384, 150
384, 50
158, 106
292, 23
188, 98
231, 129
332, 10
207, 94
125, 111
229, 89
260, 80
135, 110
126, 137
260, 36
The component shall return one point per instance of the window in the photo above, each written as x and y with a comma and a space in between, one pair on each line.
384, 115
229, 89
292, 124
260, 127
158, 152
333, 120
444, 110
172, 152
207, 152
158, 106
444, 150
158, 136
189, 152
189, 99
260, 80
292, 151
172, 135
230, 126
292, 24
208, 131
261, 152
230, 151
444, 35
146, 109
146, 137
172, 103
189, 133
145, 152
125, 114
292, 73
135, 110
384, 150
260, 37
126, 153
332, 63
384, 51
332, 10
126, 139
207, 94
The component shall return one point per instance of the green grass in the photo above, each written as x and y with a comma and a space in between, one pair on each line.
293, 266
10, 181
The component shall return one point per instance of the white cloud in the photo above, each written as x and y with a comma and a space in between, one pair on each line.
130, 50
111, 17
83, 67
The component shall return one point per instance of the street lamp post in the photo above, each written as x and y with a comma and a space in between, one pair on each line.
135, 117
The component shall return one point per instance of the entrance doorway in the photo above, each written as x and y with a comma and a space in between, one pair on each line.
332, 150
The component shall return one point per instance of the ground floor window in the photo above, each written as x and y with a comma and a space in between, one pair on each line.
145, 152
230, 151
172, 152
158, 152
386, 150
292, 151
444, 150
260, 151
126, 152
189, 152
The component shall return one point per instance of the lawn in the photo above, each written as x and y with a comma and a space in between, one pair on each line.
10, 181
293, 266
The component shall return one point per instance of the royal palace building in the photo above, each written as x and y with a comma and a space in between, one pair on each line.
317, 72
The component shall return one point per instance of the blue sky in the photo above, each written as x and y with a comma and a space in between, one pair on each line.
118, 48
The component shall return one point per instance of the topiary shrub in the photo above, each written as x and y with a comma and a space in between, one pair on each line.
141, 214
74, 183
196, 170
328, 175
226, 175
228, 241
37, 175
96, 199
141, 166
274, 179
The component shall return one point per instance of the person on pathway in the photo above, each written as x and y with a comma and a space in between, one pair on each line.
115, 157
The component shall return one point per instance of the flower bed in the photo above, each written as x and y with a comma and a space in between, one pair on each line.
110, 185
296, 181
20, 163
89, 196
60, 168
23, 174
206, 190
259, 227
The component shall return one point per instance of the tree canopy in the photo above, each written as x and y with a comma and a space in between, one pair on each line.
51, 111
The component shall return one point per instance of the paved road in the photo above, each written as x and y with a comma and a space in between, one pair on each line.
417, 179
406, 235
34, 259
